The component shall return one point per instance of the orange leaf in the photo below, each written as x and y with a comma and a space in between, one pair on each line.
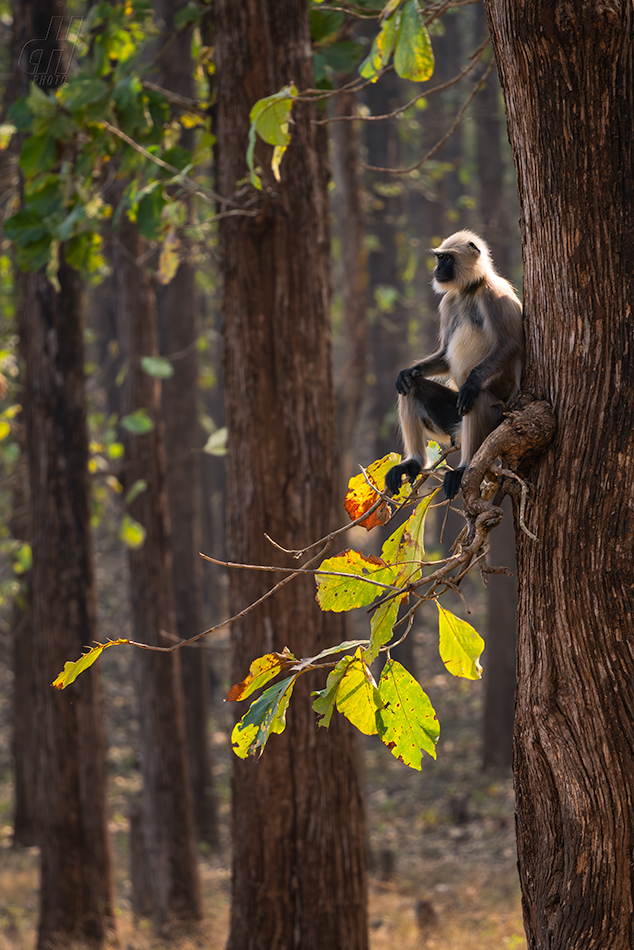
361, 496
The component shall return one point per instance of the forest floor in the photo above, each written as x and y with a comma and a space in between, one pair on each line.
441, 841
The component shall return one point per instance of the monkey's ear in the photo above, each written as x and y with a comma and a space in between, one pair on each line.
475, 248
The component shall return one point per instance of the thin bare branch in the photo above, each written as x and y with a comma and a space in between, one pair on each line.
474, 59
454, 125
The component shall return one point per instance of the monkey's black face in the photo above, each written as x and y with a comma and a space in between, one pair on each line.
444, 269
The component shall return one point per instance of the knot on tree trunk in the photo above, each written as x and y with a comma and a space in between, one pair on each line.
517, 441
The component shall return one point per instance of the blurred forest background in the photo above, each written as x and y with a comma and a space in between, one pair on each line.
440, 844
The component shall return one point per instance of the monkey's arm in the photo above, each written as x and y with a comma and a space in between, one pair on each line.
500, 367
433, 365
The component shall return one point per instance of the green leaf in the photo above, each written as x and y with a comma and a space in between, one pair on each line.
407, 723
324, 704
357, 696
139, 486
38, 154
269, 119
24, 227
21, 114
413, 57
157, 366
131, 532
40, 104
84, 253
270, 116
406, 546
80, 92
266, 715
148, 219
382, 625
23, 559
138, 422
260, 672
381, 49
345, 593
460, 645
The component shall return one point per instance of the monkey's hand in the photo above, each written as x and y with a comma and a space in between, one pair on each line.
405, 380
467, 395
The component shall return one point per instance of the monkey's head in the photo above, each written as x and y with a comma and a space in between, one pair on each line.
462, 261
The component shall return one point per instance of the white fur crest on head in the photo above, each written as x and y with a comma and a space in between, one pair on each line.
460, 241
472, 260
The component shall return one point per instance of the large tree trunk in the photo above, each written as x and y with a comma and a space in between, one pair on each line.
76, 884
168, 823
298, 861
567, 71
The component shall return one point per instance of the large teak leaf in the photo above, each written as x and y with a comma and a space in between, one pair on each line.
407, 723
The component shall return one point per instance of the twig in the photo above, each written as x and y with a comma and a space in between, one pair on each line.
298, 570
199, 190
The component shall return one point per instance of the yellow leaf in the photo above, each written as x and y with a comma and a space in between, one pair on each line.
72, 670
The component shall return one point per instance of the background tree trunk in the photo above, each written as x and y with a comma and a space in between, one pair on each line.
76, 897
298, 859
354, 281
178, 320
568, 78
167, 801
76, 887
499, 231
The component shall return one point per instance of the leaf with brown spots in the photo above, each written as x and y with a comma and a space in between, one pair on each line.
407, 724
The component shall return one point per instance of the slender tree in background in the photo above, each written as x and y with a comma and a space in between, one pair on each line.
354, 290
76, 900
177, 308
498, 229
168, 820
567, 71
297, 820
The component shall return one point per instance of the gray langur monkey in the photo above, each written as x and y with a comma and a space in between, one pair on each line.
481, 350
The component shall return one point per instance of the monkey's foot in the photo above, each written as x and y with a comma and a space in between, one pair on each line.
451, 484
410, 468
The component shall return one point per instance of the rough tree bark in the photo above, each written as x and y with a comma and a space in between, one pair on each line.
168, 822
76, 898
76, 887
298, 861
567, 71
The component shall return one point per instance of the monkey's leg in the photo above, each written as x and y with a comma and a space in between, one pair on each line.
485, 416
428, 410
